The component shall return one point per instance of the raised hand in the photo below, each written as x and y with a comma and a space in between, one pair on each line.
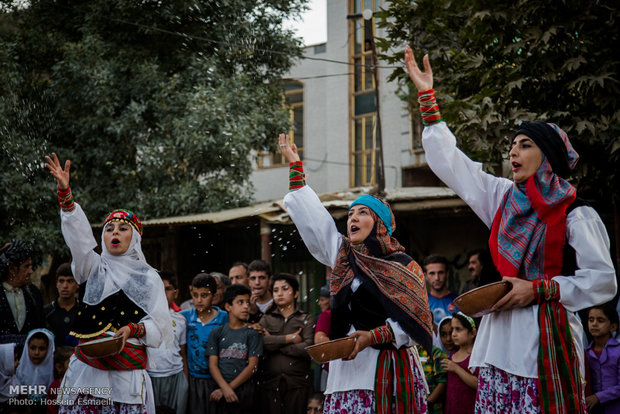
423, 81
289, 152
61, 175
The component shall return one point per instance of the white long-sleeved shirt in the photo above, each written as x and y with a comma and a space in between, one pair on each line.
319, 233
128, 386
508, 340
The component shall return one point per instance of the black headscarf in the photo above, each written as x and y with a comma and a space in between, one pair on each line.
550, 143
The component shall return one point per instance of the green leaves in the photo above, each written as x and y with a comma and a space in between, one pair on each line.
157, 104
502, 63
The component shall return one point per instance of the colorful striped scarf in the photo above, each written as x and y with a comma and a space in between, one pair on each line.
527, 241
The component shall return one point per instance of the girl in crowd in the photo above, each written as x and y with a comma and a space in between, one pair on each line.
553, 250
379, 297
36, 365
124, 297
284, 380
462, 384
604, 360
445, 335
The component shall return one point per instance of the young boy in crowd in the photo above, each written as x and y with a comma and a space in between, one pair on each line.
233, 352
168, 365
201, 320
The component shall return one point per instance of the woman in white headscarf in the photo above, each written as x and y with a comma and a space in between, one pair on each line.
124, 297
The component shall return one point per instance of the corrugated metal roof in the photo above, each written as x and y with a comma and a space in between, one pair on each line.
401, 199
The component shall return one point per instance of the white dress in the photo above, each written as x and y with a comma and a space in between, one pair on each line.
508, 340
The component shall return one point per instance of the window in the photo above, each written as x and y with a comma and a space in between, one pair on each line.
294, 99
364, 132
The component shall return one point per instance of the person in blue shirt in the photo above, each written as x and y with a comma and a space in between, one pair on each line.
201, 320
440, 299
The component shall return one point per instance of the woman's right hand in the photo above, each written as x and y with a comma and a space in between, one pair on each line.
61, 175
289, 152
423, 81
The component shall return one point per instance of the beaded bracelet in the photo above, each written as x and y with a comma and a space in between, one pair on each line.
65, 199
546, 290
428, 108
296, 176
381, 335
137, 330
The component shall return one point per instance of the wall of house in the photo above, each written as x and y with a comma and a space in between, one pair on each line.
326, 118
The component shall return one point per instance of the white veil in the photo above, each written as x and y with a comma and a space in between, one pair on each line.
41, 374
140, 282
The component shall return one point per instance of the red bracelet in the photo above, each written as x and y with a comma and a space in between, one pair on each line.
381, 335
137, 330
65, 199
296, 176
428, 108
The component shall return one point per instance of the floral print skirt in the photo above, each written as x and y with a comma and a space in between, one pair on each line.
87, 404
502, 393
363, 401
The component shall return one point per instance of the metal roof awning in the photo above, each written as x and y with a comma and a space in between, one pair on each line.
337, 203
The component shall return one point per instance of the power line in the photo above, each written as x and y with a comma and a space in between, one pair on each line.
206, 39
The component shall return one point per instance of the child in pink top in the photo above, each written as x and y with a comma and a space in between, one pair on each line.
462, 383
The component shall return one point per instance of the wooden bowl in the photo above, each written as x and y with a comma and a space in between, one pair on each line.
102, 347
478, 302
330, 350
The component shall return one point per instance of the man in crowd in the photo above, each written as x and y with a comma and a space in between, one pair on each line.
474, 265
260, 280
60, 314
238, 273
440, 299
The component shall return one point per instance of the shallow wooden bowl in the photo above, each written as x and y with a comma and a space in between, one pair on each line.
330, 350
478, 302
102, 347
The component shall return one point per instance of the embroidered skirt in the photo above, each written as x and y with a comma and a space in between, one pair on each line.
87, 404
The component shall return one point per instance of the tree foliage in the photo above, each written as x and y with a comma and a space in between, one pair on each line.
498, 63
157, 104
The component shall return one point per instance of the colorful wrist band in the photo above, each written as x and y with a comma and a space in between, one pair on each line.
381, 335
428, 108
137, 330
296, 176
65, 199
546, 290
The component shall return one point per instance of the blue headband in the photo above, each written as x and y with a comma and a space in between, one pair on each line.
378, 207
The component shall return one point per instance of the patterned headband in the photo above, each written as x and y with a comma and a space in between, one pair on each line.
125, 216
379, 207
469, 319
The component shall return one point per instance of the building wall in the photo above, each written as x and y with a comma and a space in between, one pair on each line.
327, 121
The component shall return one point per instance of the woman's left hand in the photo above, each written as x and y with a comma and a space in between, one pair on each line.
521, 295
124, 332
362, 342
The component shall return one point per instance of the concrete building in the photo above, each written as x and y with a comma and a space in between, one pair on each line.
332, 96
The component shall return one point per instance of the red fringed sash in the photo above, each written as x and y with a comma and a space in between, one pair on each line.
395, 364
131, 357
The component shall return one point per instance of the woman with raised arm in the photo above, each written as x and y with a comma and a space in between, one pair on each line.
379, 297
550, 245
124, 297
